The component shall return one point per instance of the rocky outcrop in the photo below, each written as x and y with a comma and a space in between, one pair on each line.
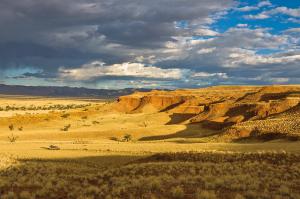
218, 108
138, 101
180, 101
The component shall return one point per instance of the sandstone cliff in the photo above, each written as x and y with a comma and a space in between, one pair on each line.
235, 110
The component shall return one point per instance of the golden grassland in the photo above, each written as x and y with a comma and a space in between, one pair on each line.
169, 175
74, 148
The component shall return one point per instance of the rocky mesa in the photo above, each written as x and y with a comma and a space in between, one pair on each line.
236, 112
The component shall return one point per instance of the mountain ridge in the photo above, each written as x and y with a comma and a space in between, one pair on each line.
65, 91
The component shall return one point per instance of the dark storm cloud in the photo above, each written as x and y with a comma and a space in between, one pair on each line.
24, 54
54, 33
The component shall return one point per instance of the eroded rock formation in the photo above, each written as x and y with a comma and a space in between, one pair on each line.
236, 110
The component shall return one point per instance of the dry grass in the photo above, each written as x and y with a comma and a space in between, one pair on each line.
170, 175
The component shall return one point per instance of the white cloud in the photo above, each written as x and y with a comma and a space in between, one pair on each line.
206, 75
247, 8
279, 80
258, 16
293, 12
240, 25
294, 20
248, 57
214, 52
293, 30
264, 3
151, 59
249, 39
251, 8
99, 69
205, 32
206, 50
235, 49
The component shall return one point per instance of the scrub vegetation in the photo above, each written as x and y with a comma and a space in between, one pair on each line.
167, 175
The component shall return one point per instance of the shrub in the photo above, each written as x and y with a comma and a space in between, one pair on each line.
66, 115
206, 195
66, 128
11, 127
25, 195
166, 175
284, 190
239, 196
53, 147
127, 137
177, 192
12, 138
95, 122
11, 195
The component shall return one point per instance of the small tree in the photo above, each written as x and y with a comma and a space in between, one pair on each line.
11, 127
127, 137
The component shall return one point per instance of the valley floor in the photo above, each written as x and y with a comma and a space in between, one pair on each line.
74, 148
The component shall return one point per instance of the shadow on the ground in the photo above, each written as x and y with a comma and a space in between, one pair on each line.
268, 137
177, 118
172, 106
191, 131
100, 161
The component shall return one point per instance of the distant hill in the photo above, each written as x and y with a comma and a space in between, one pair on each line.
54, 91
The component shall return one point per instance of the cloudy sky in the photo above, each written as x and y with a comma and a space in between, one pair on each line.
149, 44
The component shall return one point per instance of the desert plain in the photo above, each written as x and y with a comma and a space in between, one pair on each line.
216, 142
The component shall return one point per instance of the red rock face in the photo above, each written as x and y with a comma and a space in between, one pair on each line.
128, 104
160, 102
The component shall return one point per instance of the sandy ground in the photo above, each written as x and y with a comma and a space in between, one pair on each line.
93, 128
29, 149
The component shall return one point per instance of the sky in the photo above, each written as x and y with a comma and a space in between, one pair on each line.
149, 44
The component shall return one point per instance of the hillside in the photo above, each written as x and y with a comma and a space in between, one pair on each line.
236, 112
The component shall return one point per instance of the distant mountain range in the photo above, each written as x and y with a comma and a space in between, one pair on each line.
55, 91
